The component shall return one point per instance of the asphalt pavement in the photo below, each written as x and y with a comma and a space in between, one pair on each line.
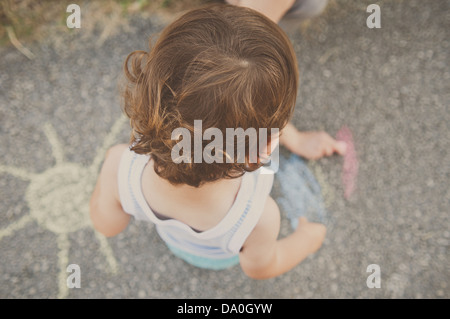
389, 86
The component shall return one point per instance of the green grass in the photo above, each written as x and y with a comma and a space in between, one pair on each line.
28, 18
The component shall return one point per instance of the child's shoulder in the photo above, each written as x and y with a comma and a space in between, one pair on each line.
112, 160
115, 152
106, 211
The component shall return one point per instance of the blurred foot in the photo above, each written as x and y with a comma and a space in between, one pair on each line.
273, 9
277, 10
306, 9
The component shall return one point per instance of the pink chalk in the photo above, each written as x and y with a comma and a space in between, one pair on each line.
350, 168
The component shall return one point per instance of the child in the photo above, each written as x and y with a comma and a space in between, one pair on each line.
229, 67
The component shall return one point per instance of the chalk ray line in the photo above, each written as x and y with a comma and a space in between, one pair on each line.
63, 262
107, 142
105, 248
19, 224
17, 172
52, 137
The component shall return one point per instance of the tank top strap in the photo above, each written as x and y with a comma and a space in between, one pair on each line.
129, 181
262, 185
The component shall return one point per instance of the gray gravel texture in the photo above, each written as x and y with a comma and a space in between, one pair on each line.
390, 86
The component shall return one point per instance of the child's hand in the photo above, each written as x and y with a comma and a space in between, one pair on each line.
311, 145
314, 145
313, 231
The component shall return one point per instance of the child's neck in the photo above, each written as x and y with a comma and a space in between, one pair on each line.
215, 191
199, 207
189, 191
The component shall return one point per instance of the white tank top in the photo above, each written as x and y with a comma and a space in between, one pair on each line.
219, 242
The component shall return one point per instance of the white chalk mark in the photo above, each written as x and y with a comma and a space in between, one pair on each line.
63, 262
13, 227
58, 199
52, 137
107, 252
17, 172
107, 142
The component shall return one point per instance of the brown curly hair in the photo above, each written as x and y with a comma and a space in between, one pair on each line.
229, 66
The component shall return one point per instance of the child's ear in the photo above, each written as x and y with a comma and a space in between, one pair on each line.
266, 150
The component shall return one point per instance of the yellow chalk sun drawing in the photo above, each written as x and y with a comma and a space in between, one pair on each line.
58, 199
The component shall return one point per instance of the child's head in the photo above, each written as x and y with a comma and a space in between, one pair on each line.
228, 66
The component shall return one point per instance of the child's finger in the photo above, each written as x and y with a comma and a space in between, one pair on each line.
332, 145
340, 147
329, 150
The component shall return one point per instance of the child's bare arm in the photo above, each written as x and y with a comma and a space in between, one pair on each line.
310, 145
263, 256
105, 208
